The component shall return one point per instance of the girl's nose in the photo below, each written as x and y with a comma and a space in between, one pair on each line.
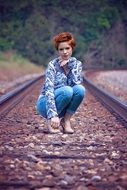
64, 50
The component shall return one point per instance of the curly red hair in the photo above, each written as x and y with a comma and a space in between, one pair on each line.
64, 37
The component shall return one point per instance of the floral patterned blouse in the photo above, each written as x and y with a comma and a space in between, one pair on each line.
55, 77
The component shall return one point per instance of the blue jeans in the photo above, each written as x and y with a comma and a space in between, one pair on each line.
67, 99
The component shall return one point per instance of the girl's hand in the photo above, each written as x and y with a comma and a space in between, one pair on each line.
55, 122
63, 62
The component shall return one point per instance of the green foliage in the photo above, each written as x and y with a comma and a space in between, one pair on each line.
80, 47
122, 63
28, 26
103, 23
107, 17
5, 44
18, 59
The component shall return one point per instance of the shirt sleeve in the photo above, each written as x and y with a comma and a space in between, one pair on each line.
76, 73
49, 91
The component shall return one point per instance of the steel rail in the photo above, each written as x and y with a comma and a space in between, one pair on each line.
12, 98
111, 102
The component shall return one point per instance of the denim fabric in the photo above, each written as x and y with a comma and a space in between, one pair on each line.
56, 77
67, 99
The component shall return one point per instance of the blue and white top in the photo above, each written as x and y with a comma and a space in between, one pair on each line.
55, 77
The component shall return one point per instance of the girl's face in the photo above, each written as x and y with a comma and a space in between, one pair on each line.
64, 50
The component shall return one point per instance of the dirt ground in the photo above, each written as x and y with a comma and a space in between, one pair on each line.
9, 79
113, 82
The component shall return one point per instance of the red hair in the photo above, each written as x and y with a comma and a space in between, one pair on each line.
64, 37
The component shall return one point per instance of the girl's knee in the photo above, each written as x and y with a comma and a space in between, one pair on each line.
41, 108
68, 92
80, 90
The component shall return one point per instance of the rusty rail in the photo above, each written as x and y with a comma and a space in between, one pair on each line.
74, 149
12, 98
111, 102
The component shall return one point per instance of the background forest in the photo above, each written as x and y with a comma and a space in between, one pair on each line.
99, 26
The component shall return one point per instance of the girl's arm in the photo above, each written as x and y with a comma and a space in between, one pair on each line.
76, 73
49, 91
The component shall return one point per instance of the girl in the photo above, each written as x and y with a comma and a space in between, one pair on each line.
62, 91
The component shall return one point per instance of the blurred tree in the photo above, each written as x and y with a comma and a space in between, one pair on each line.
29, 25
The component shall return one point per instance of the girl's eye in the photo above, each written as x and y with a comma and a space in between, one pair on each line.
61, 49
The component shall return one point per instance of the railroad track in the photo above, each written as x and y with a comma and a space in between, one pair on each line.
32, 159
112, 103
115, 106
14, 97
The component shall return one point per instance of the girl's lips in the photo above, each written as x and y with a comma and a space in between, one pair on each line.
66, 57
